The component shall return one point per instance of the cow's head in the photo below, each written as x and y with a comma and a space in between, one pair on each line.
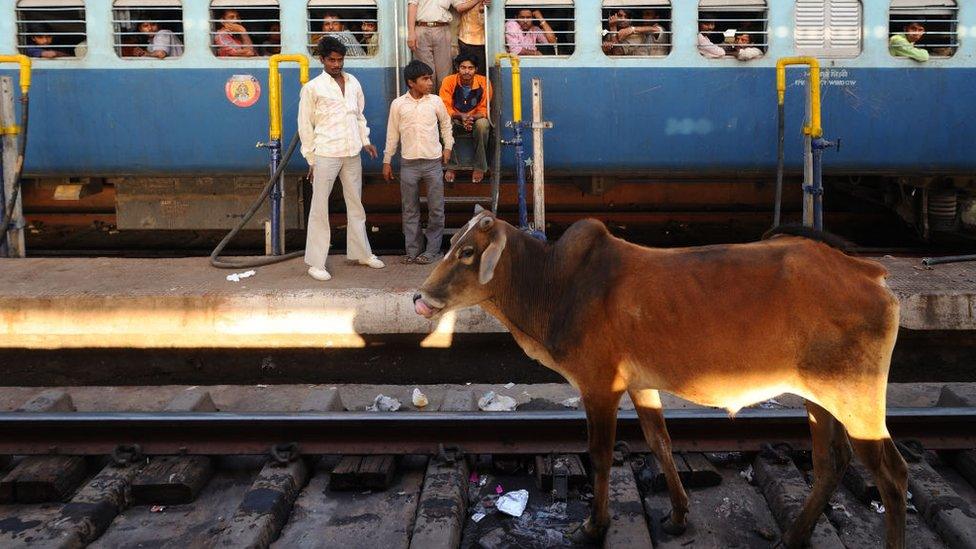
461, 278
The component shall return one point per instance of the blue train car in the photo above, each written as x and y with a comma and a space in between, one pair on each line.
908, 140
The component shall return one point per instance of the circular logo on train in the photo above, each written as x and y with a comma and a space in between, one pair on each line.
242, 90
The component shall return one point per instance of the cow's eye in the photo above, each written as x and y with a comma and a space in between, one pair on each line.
466, 252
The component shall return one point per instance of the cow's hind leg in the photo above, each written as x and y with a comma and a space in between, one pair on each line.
831, 456
651, 416
601, 424
891, 475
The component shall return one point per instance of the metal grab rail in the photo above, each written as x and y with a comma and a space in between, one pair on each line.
7, 209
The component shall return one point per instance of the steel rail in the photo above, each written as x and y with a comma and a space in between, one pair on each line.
215, 433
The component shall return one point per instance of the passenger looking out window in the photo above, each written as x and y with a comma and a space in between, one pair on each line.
370, 39
333, 26
231, 39
272, 44
706, 47
161, 43
471, 30
522, 36
743, 49
41, 41
627, 37
466, 95
903, 45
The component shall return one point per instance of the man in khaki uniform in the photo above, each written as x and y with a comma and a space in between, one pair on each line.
429, 34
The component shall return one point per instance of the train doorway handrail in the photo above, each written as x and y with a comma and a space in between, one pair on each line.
9, 206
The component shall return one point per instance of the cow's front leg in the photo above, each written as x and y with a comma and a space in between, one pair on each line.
601, 424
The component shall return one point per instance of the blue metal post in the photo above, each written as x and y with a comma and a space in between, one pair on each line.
815, 188
275, 198
523, 214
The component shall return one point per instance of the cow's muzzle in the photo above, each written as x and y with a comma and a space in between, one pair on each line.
423, 307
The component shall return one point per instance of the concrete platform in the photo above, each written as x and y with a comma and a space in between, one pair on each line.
184, 303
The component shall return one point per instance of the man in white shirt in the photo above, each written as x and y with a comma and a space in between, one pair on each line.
416, 119
163, 43
333, 131
705, 46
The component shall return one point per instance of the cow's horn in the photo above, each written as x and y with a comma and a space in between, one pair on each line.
486, 222
478, 209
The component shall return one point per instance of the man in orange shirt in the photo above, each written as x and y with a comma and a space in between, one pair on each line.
466, 95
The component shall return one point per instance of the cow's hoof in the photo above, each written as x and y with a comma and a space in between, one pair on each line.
673, 528
586, 533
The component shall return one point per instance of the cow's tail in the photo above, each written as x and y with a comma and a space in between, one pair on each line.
829, 239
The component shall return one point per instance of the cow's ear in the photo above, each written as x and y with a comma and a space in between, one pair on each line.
486, 222
490, 257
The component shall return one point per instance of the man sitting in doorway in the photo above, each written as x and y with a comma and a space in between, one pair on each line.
162, 43
903, 45
466, 95
522, 37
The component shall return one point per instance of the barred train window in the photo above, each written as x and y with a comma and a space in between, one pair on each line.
827, 28
637, 27
50, 29
148, 28
353, 22
938, 20
540, 27
732, 28
245, 28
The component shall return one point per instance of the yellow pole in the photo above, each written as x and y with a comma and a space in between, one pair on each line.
25, 69
516, 83
814, 128
274, 83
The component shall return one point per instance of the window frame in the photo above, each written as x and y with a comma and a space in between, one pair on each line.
635, 6
923, 12
827, 48
313, 25
145, 6
216, 7
722, 7
512, 7
22, 36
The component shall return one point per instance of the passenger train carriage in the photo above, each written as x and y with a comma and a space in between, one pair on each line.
628, 122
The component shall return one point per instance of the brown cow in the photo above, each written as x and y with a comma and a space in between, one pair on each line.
723, 326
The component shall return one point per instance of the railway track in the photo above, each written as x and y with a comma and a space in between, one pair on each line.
305, 466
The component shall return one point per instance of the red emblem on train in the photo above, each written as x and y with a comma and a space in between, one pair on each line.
242, 90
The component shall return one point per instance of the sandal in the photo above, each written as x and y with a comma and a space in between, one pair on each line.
449, 176
408, 260
425, 259
477, 176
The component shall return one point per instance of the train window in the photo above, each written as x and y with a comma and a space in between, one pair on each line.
928, 25
540, 27
353, 22
51, 29
244, 28
732, 28
828, 28
148, 28
637, 27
